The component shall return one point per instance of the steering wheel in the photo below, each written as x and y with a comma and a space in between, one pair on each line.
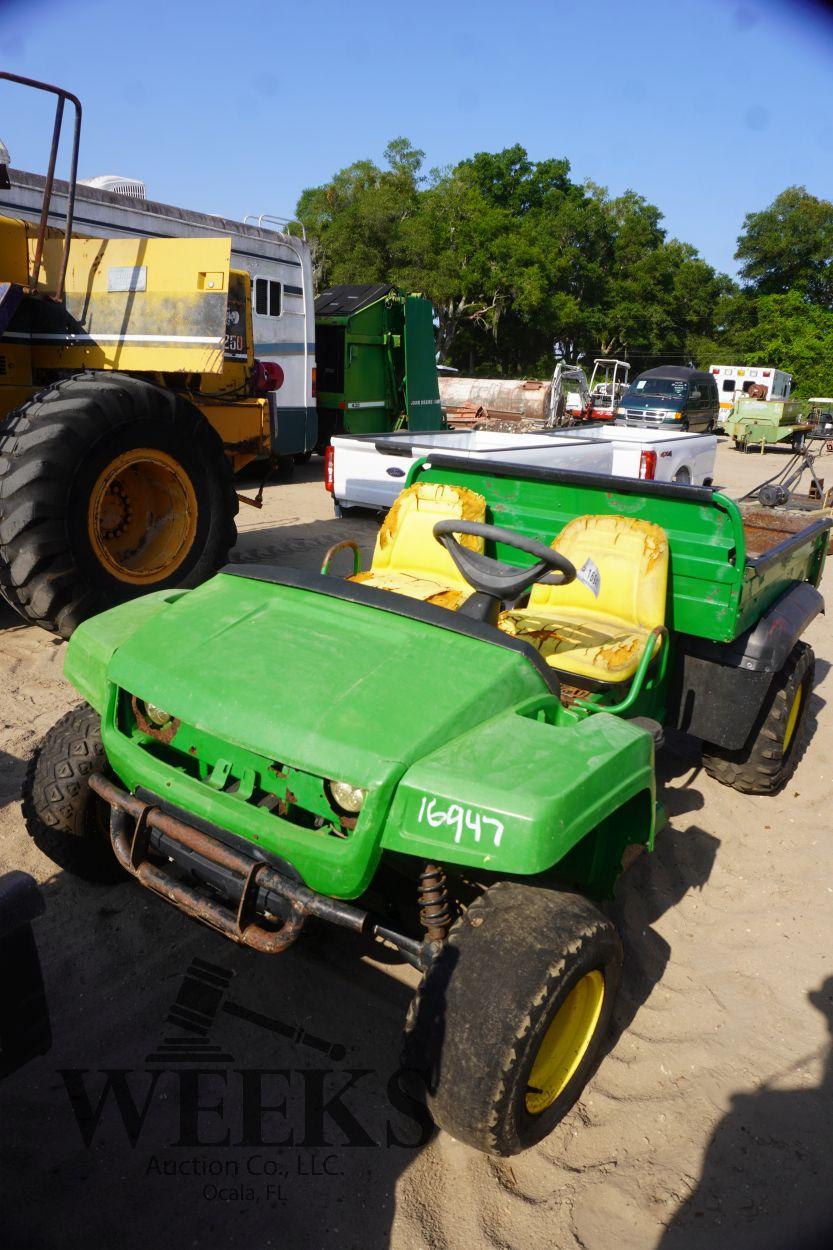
493, 578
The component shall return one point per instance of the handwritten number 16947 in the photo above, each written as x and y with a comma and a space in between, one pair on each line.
460, 819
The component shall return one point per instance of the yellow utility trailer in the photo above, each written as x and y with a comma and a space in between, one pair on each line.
130, 392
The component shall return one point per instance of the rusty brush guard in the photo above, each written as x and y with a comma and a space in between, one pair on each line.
257, 881
131, 851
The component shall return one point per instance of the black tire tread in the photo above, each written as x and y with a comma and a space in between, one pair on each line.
36, 566
56, 797
518, 940
760, 767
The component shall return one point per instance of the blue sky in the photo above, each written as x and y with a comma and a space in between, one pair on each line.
708, 109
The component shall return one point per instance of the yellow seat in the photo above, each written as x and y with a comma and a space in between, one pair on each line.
408, 560
599, 636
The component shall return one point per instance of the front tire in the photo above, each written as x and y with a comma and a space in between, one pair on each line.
66, 820
508, 1023
110, 487
769, 758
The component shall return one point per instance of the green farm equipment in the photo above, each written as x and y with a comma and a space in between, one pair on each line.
451, 752
766, 422
376, 361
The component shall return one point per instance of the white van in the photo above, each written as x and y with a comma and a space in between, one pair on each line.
734, 380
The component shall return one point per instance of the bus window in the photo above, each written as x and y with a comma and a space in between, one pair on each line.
267, 298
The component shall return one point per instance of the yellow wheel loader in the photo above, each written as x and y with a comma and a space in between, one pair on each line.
130, 393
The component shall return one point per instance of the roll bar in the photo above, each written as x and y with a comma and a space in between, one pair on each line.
63, 96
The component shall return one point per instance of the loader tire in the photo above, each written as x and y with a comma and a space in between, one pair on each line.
65, 819
769, 758
110, 487
509, 1021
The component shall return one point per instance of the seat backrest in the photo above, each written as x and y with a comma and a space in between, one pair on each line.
406, 542
631, 557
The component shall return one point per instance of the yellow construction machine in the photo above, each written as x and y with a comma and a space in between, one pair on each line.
129, 394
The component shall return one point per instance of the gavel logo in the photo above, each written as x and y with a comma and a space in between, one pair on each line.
202, 996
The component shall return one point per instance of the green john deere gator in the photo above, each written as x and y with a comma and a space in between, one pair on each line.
451, 752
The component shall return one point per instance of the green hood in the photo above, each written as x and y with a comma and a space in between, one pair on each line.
324, 684
425, 710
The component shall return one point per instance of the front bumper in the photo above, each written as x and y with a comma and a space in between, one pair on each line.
241, 895
650, 420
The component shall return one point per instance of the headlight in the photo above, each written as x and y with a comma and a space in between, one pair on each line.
156, 716
346, 797
154, 720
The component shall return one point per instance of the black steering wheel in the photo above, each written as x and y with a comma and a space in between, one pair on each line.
493, 578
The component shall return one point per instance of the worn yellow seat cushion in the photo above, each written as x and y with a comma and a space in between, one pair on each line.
599, 636
603, 650
407, 558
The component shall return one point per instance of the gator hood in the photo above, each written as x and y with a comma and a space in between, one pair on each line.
329, 685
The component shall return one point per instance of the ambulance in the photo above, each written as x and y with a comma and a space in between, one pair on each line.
734, 380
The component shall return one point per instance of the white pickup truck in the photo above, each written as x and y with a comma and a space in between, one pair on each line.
368, 470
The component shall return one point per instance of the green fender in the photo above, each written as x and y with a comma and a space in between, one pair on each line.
519, 793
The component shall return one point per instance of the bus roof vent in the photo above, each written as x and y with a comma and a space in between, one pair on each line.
119, 186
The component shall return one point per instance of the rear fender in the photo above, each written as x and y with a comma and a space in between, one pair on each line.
518, 793
718, 689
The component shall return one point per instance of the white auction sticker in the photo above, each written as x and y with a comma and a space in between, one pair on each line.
590, 576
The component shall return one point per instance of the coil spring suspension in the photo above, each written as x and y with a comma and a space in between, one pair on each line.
434, 904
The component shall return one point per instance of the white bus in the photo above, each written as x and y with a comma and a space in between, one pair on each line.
734, 380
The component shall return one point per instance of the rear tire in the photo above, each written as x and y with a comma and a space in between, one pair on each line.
110, 487
770, 756
66, 820
498, 1076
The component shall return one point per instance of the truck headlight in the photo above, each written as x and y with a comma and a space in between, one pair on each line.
345, 797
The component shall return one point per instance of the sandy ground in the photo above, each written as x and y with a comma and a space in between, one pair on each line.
707, 1124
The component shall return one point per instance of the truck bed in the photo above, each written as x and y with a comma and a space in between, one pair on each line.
368, 469
766, 528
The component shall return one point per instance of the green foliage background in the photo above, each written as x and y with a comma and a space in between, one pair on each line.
522, 263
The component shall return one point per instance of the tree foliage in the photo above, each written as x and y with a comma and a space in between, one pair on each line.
522, 263
789, 247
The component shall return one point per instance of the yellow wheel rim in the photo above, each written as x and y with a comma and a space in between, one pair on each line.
792, 719
565, 1043
142, 516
